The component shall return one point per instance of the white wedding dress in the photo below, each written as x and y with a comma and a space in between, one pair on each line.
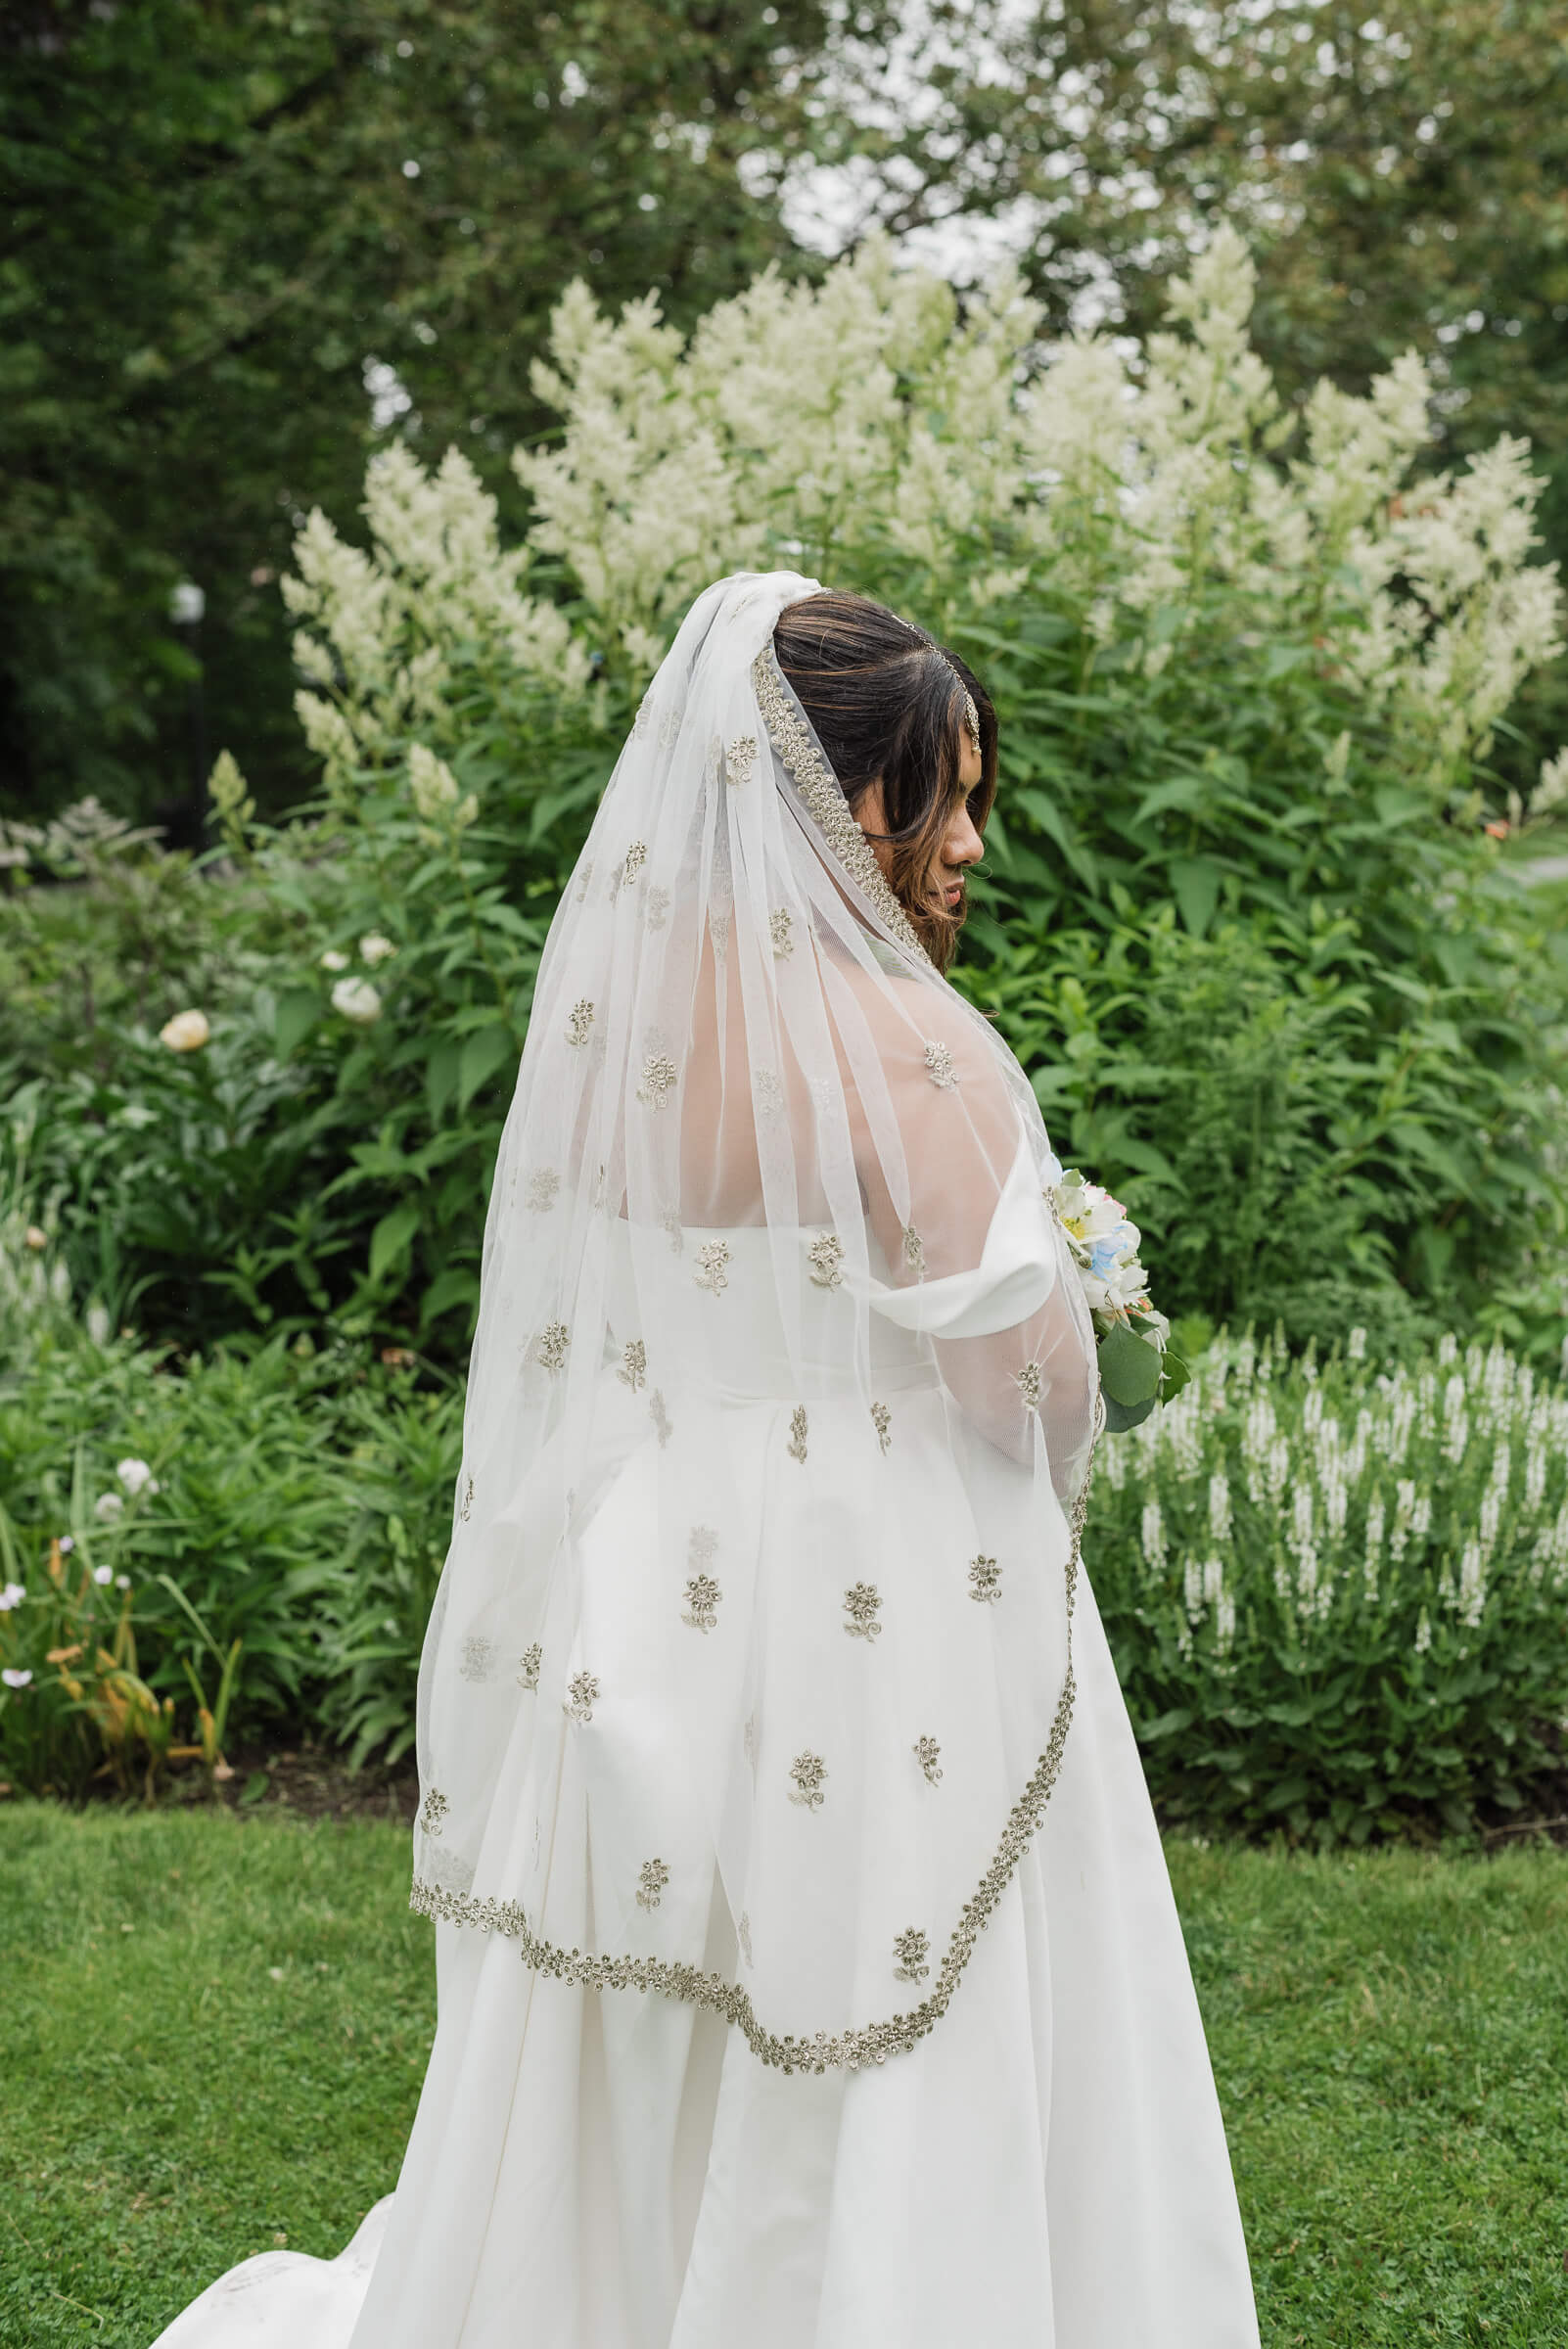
808, 1975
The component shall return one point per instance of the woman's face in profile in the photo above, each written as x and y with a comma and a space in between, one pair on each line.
959, 845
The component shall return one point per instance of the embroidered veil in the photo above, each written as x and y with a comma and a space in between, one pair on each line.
749, 1672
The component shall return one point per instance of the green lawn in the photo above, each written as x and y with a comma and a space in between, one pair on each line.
214, 2032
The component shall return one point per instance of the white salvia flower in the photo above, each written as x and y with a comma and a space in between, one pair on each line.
1491, 1520
1424, 1634
1220, 1505
1225, 1621
1192, 1588
334, 960
186, 1031
1213, 1580
358, 1001
1374, 1532
60, 1291
1277, 1468
1356, 1342
1403, 1518
136, 1477
1421, 1517
1447, 1349
99, 1324
375, 948
1471, 1596
1534, 1476
1153, 1536
108, 1506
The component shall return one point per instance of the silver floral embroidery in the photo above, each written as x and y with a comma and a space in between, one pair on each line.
582, 1690
659, 1075
529, 1662
651, 1879
825, 800
433, 1810
808, 1772
662, 1428
633, 1371
670, 1225
927, 1753
719, 929
551, 1350
882, 1421
636, 858
476, 1657
580, 1022
639, 725
701, 1610
585, 881
743, 1933
543, 1184
711, 1259
940, 1068
912, 1951
875, 2042
826, 1254
795, 1446
1031, 1384
465, 1507
657, 907
984, 1580
740, 757
914, 1250
862, 1604
669, 729
769, 1092
781, 929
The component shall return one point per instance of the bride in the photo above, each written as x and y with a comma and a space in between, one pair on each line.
807, 1971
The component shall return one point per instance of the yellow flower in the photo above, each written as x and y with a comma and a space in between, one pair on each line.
186, 1031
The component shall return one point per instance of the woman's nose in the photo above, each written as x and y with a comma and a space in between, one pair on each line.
963, 844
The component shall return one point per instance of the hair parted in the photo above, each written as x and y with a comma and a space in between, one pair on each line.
887, 701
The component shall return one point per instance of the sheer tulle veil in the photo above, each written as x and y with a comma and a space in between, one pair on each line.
776, 1314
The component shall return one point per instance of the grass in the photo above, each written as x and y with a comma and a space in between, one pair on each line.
215, 2031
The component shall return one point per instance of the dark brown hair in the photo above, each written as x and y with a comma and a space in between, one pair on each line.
887, 701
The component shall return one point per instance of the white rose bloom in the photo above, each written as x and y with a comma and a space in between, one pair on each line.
186, 1031
332, 960
375, 948
108, 1506
357, 1000
135, 1475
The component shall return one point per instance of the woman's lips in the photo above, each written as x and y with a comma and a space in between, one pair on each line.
955, 894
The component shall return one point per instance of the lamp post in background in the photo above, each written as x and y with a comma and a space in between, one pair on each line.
186, 607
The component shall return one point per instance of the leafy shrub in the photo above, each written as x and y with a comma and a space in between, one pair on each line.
1242, 921
1336, 1598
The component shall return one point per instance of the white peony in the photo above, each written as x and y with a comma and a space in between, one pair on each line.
186, 1031
357, 1000
375, 948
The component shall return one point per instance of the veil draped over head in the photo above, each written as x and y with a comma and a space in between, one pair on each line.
750, 1671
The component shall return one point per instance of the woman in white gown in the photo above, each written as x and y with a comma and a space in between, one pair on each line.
808, 1970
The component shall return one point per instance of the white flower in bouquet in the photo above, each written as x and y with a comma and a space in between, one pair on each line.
1104, 1242
136, 1477
186, 1031
357, 1000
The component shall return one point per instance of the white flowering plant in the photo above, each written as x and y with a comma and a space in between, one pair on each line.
1337, 1592
1138, 1367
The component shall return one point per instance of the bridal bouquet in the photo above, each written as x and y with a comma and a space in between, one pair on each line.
1138, 1368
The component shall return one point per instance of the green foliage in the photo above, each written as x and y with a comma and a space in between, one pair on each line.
1336, 1600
